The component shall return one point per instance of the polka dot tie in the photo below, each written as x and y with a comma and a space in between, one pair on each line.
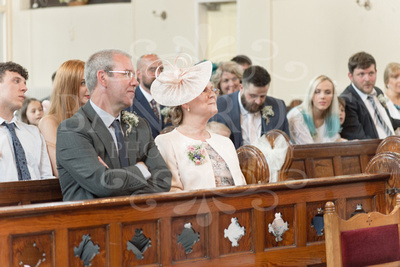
19, 154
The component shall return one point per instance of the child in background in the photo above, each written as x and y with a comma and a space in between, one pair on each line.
342, 109
31, 111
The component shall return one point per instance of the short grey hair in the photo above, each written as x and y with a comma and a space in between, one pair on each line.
102, 60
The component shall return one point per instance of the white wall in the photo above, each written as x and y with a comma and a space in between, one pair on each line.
294, 39
44, 38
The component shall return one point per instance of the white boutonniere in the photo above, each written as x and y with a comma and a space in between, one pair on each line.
130, 119
164, 111
382, 100
266, 113
197, 154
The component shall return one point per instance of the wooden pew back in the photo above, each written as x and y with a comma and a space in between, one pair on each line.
27, 192
186, 229
331, 159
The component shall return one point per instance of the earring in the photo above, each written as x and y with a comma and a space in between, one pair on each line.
188, 109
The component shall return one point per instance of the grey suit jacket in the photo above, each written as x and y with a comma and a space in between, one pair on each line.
84, 137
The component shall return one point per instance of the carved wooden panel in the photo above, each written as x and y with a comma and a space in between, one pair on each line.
199, 224
297, 170
245, 242
287, 214
97, 237
28, 250
313, 235
368, 205
351, 165
323, 168
150, 255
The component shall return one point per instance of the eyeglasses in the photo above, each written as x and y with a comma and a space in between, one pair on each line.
215, 90
129, 74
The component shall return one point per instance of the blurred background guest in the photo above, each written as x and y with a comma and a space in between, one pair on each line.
68, 95
31, 111
316, 120
391, 78
228, 77
196, 157
243, 61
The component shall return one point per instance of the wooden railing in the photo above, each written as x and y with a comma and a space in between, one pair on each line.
187, 228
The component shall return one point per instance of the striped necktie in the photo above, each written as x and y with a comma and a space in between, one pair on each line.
379, 117
19, 154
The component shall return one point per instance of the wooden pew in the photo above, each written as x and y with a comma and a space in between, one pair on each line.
27, 192
332, 159
115, 231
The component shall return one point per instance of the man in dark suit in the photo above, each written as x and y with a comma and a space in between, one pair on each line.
250, 113
366, 114
144, 104
101, 151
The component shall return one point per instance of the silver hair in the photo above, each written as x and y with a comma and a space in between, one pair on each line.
102, 60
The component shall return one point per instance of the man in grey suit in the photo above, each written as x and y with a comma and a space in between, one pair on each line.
103, 151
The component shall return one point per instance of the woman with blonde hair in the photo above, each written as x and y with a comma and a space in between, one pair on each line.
69, 94
391, 77
316, 120
196, 157
228, 77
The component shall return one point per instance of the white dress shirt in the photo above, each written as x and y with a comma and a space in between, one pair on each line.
379, 128
35, 149
250, 124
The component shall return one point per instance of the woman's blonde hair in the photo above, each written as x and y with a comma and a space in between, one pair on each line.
331, 114
229, 66
65, 95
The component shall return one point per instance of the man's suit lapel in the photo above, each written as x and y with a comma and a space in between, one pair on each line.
145, 109
235, 115
364, 110
131, 143
103, 133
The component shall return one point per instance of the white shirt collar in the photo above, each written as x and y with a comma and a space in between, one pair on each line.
146, 94
106, 117
14, 120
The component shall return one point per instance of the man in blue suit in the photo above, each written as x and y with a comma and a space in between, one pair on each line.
143, 104
250, 113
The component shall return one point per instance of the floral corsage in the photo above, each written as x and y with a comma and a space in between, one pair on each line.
266, 112
130, 119
165, 111
382, 100
196, 153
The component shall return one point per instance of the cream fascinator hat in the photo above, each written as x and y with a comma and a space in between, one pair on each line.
178, 86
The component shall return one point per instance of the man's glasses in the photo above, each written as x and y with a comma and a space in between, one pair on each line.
128, 73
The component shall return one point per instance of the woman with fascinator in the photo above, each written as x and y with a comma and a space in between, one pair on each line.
196, 158
316, 120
